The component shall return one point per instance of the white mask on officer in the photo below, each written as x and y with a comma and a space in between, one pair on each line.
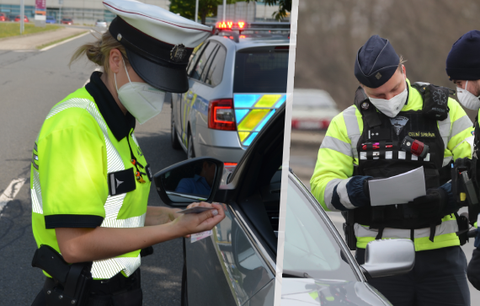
393, 106
140, 99
467, 99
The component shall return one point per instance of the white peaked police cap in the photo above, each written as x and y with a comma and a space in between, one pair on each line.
158, 42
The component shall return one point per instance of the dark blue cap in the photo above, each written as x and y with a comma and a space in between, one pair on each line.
376, 62
463, 61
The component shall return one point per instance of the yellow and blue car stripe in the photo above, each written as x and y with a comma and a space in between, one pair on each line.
252, 112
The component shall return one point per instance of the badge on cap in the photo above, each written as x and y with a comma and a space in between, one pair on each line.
378, 76
178, 52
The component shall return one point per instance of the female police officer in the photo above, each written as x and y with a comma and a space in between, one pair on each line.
89, 179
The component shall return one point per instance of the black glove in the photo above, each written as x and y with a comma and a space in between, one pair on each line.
430, 205
357, 189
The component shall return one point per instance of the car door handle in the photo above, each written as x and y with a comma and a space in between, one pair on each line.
189, 96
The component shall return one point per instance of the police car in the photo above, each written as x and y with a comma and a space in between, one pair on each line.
237, 80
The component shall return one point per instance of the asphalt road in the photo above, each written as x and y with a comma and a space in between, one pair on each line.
31, 82
303, 156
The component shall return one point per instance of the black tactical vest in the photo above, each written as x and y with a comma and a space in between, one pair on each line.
380, 155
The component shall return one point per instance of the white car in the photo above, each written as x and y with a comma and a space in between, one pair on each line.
313, 109
100, 23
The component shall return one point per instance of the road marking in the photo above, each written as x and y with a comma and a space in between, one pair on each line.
65, 41
11, 191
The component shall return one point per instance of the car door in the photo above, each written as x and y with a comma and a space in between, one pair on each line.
259, 87
236, 264
229, 267
196, 79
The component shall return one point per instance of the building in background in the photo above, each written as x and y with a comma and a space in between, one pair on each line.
83, 12
247, 12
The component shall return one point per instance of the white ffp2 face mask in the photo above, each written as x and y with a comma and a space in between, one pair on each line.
140, 99
391, 107
467, 99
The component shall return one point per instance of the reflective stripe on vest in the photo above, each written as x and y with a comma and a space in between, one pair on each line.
448, 227
101, 269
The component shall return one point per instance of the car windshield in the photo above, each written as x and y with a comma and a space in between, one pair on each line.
262, 69
310, 246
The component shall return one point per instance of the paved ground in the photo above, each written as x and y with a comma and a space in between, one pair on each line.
32, 41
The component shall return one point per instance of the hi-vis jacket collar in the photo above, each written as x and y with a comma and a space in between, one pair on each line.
158, 42
119, 124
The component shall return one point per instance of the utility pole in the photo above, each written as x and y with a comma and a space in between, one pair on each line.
60, 2
22, 16
224, 9
196, 11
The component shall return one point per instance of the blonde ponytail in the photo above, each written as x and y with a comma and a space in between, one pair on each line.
98, 52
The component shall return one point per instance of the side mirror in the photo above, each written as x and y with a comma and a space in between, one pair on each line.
189, 181
389, 257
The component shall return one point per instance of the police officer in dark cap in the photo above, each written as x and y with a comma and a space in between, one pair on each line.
90, 179
374, 139
463, 68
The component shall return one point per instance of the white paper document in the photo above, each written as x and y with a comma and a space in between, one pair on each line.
398, 189
200, 236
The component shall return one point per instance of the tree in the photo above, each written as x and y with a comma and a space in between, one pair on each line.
206, 8
284, 6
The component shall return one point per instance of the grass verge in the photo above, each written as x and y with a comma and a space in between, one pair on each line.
60, 40
10, 29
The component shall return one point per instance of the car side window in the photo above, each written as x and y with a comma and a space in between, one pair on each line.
194, 57
208, 64
215, 72
202, 61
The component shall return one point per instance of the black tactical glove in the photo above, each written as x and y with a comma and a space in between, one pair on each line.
430, 205
358, 192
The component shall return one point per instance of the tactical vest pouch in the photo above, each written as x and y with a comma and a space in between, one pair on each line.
435, 100
463, 227
348, 229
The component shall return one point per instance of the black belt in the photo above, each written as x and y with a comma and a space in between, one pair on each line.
118, 283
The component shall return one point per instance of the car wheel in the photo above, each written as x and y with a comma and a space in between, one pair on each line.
173, 134
191, 150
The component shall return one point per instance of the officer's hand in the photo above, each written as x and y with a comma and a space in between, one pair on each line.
187, 224
431, 204
358, 191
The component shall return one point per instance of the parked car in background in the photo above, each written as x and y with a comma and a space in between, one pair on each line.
18, 18
101, 23
50, 19
4, 17
67, 21
236, 83
312, 109
236, 264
